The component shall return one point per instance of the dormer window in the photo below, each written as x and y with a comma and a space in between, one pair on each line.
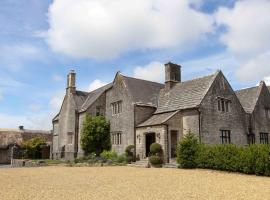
224, 105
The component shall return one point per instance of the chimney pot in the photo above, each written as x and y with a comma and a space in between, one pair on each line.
172, 75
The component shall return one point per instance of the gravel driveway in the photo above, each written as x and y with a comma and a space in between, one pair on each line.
128, 183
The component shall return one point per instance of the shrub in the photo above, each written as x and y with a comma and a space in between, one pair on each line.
155, 148
121, 158
187, 151
155, 160
112, 155
32, 148
130, 156
95, 135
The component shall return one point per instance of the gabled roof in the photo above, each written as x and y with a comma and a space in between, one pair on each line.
248, 98
158, 119
142, 91
79, 98
93, 96
185, 95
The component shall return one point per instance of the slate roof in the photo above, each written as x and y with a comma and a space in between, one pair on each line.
185, 95
142, 91
93, 96
248, 98
157, 119
79, 98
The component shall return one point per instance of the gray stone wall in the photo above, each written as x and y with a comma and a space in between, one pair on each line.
122, 122
260, 123
212, 120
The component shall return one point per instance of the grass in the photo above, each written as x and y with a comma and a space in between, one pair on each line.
57, 182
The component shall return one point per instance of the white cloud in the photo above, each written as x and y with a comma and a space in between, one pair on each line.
154, 71
247, 37
57, 77
248, 26
96, 84
35, 107
105, 29
56, 101
255, 68
267, 80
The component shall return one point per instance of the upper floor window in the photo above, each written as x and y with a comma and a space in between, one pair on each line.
116, 107
117, 138
225, 136
98, 111
224, 105
70, 138
267, 113
264, 138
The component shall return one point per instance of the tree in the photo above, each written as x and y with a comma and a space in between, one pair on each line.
187, 151
95, 135
32, 148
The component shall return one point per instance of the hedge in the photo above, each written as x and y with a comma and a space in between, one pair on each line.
253, 159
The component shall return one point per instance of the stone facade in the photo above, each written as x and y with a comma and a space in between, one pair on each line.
142, 112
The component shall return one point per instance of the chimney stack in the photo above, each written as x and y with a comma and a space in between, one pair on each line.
21, 128
71, 82
172, 75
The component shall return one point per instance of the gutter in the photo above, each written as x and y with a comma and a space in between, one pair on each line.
200, 137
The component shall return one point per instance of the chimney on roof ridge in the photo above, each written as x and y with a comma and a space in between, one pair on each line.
172, 75
21, 128
71, 82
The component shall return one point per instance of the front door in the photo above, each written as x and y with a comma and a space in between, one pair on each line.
173, 143
149, 139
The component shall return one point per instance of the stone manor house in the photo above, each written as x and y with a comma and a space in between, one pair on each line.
141, 112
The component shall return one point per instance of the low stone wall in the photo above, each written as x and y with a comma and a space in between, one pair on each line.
26, 163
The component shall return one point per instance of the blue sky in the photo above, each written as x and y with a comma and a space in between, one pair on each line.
41, 40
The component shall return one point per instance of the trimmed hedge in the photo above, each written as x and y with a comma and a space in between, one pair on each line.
253, 159
155, 161
155, 148
130, 157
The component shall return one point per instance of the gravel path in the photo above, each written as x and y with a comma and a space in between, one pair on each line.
128, 183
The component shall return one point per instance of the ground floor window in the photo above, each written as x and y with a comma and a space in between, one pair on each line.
264, 138
225, 136
251, 138
117, 138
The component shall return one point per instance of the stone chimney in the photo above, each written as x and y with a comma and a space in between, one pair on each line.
172, 75
71, 82
21, 128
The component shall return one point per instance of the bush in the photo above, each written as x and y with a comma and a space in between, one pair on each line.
121, 158
130, 156
32, 148
253, 159
187, 151
95, 135
155, 160
155, 148
112, 155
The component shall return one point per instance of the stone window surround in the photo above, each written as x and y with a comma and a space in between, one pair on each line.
225, 136
264, 138
116, 107
117, 138
223, 104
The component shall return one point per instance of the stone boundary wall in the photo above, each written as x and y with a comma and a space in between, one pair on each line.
25, 163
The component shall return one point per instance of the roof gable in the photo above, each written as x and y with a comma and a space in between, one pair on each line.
185, 95
142, 91
250, 96
93, 96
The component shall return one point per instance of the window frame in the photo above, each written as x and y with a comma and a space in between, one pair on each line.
264, 138
117, 138
116, 107
225, 136
223, 104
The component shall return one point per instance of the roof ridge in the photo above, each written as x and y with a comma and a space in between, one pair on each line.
141, 79
206, 76
253, 87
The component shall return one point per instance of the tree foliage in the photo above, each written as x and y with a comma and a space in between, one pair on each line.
95, 135
32, 148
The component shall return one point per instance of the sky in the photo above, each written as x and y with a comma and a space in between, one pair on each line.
42, 40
